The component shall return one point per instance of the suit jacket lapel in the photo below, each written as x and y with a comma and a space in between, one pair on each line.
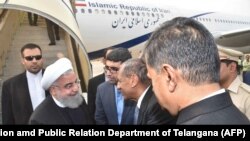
24, 93
113, 109
144, 105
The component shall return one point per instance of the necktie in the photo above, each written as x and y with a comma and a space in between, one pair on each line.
136, 115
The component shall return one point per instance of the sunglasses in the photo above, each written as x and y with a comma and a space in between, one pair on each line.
30, 58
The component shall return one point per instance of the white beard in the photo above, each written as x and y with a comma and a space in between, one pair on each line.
71, 101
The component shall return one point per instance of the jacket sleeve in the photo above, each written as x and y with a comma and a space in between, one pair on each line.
100, 116
7, 113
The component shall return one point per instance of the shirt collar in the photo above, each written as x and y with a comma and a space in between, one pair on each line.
234, 86
31, 75
141, 97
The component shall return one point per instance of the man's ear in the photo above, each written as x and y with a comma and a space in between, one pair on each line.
134, 80
52, 90
170, 75
233, 67
22, 61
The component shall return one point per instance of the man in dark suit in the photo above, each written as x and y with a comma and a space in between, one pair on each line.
21, 94
111, 108
184, 65
65, 105
94, 83
134, 84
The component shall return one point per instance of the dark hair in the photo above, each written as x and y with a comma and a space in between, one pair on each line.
186, 45
227, 62
106, 50
119, 55
30, 46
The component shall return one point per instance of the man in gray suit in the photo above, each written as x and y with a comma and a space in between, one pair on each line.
111, 108
184, 66
134, 84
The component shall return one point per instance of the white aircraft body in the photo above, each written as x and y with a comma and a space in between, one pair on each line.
123, 23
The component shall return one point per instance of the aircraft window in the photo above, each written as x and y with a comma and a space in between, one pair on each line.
109, 11
153, 15
138, 14
115, 12
121, 12
157, 15
132, 13
90, 10
96, 11
82, 10
127, 13
103, 11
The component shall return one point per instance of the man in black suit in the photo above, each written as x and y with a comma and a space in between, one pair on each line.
134, 84
22, 93
65, 105
184, 66
111, 108
94, 83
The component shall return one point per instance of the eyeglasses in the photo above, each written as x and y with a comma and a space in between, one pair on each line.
111, 69
70, 85
30, 58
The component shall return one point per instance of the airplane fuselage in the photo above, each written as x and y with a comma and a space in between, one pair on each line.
109, 23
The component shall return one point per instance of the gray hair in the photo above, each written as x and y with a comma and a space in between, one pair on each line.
187, 45
138, 67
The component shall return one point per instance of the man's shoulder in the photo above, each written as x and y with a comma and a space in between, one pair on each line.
14, 78
245, 87
45, 105
105, 84
98, 77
